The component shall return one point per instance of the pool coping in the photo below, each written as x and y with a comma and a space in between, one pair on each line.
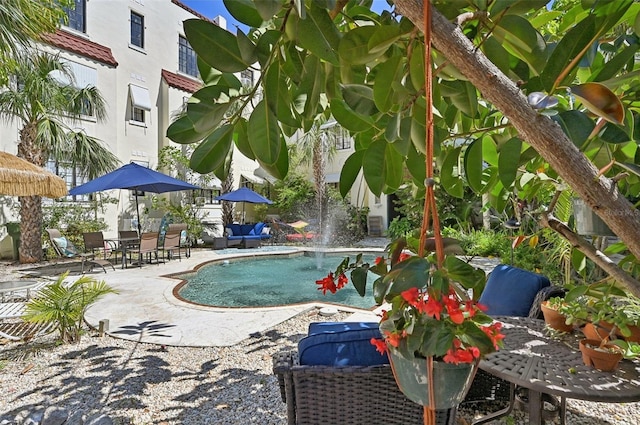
146, 309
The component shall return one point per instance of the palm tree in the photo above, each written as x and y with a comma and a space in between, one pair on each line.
44, 107
316, 147
22, 22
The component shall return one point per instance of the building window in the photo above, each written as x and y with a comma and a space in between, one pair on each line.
77, 16
137, 30
342, 138
187, 59
140, 102
246, 77
71, 176
137, 114
205, 196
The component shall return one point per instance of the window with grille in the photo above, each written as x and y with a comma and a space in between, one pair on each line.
342, 138
137, 114
71, 176
205, 196
77, 18
137, 30
187, 59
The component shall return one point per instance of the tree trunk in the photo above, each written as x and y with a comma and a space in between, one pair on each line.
544, 135
30, 250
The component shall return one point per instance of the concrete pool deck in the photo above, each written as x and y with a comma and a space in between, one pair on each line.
146, 310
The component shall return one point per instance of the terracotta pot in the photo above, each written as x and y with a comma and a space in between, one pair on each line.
603, 360
635, 334
594, 331
554, 319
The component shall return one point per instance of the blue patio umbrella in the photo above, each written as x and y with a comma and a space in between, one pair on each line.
244, 194
133, 177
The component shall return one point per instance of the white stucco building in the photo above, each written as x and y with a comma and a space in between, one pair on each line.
135, 53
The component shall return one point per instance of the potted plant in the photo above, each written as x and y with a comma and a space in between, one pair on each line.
430, 325
602, 310
553, 316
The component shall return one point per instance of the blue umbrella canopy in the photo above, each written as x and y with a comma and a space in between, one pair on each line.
244, 194
133, 177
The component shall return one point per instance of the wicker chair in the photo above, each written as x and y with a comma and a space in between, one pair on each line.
354, 395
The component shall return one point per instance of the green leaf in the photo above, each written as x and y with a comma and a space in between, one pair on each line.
268, 8
317, 33
516, 35
264, 134
359, 97
248, 50
266, 43
350, 171
473, 165
416, 164
489, 150
244, 11
182, 131
576, 125
217, 47
462, 94
348, 118
278, 97
450, 174
416, 69
509, 161
388, 73
497, 54
354, 46
211, 153
359, 279
383, 38
280, 169
242, 139
312, 85
374, 166
393, 168
613, 66
516, 6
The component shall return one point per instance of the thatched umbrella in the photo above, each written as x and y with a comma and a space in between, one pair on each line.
19, 177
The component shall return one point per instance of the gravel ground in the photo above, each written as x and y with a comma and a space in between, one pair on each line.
151, 384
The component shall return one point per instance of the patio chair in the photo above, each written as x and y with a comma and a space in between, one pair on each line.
171, 244
95, 243
148, 246
185, 243
64, 248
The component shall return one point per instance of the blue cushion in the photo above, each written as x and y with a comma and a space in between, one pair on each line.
236, 229
245, 229
257, 229
252, 237
341, 344
510, 291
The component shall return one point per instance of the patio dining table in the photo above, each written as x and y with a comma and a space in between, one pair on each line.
544, 362
125, 243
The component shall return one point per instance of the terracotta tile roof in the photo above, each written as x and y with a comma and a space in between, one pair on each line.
81, 46
190, 10
180, 82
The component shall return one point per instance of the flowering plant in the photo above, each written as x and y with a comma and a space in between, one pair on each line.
431, 313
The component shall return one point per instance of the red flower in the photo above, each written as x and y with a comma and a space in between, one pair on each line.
379, 260
381, 346
453, 309
327, 284
342, 281
394, 338
403, 256
411, 296
470, 307
433, 308
493, 332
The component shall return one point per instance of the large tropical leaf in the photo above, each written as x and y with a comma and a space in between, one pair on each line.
214, 45
473, 165
210, 154
388, 73
509, 161
316, 33
450, 174
354, 46
264, 134
516, 35
350, 171
244, 11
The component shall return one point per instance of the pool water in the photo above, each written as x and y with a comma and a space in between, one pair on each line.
271, 281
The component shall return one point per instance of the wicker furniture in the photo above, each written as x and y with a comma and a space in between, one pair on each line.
534, 360
354, 395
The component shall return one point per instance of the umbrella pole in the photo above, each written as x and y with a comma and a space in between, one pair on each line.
135, 194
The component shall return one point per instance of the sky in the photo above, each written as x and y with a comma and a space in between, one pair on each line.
213, 8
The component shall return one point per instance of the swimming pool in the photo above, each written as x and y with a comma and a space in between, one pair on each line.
270, 281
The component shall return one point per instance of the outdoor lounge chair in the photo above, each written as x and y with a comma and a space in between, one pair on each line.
64, 248
19, 330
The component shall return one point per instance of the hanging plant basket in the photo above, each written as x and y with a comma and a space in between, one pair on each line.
451, 382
